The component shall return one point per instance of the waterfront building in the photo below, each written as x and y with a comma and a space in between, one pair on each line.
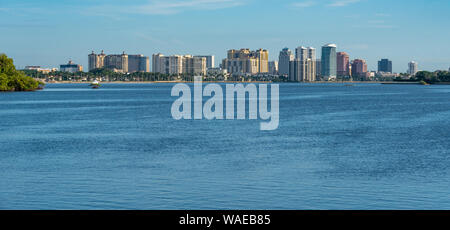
263, 60
285, 58
71, 67
303, 68
359, 70
177, 64
273, 67
385, 65
343, 64
210, 60
172, 65
329, 66
138, 63
194, 65
122, 63
40, 69
156, 63
244, 61
318, 69
96, 61
117, 62
413, 68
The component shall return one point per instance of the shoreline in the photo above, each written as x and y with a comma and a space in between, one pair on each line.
244, 82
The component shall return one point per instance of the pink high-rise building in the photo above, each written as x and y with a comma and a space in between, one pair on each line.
343, 64
359, 68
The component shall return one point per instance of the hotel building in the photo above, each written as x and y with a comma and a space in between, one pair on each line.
177, 64
245, 61
71, 67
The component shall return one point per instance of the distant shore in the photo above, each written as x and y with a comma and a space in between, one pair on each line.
235, 82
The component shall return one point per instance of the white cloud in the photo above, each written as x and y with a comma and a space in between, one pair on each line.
331, 3
167, 7
340, 3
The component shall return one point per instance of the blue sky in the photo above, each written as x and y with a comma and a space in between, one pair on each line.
50, 32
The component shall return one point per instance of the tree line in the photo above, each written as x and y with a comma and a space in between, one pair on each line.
430, 77
14, 80
433, 77
109, 75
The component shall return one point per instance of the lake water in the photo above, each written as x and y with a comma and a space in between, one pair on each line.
370, 146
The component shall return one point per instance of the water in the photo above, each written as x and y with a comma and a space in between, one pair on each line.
370, 146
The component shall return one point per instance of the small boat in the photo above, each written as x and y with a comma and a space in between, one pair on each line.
95, 84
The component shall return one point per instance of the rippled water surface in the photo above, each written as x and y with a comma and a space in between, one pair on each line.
369, 146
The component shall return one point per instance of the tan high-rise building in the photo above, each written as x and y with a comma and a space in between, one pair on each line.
96, 61
117, 62
244, 61
121, 63
177, 64
194, 65
263, 60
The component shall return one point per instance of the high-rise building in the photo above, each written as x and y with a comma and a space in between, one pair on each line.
194, 65
343, 64
303, 68
117, 62
172, 65
318, 69
385, 66
71, 68
245, 61
138, 63
329, 65
263, 60
413, 68
273, 67
359, 69
96, 61
285, 58
177, 64
122, 63
210, 60
156, 63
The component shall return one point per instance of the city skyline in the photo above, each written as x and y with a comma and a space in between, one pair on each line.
49, 33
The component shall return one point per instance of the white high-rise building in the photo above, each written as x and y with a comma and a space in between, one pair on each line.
167, 64
303, 68
413, 68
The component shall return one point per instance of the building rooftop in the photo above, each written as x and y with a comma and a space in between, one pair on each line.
330, 45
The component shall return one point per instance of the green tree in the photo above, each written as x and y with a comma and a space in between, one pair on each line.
13, 80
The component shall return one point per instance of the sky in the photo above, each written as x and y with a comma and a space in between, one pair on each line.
52, 32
